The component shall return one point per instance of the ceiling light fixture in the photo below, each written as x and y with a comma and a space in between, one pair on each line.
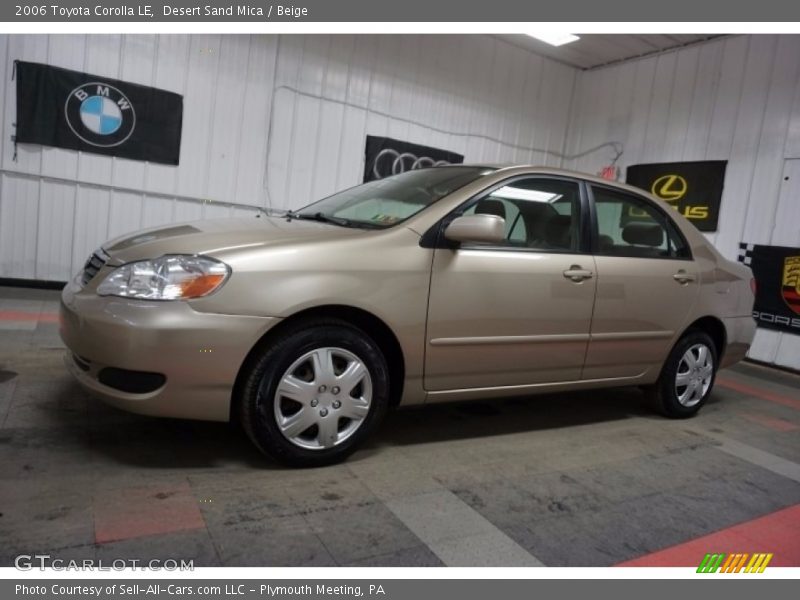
555, 39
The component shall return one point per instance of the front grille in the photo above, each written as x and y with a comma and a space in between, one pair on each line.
96, 261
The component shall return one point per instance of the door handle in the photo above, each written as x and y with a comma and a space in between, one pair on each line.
577, 274
683, 277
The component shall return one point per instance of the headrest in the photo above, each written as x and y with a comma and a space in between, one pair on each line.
489, 206
643, 234
557, 231
606, 243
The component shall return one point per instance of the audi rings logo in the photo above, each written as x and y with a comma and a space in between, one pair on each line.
391, 162
384, 157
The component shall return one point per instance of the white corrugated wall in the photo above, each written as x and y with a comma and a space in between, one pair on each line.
57, 205
734, 99
268, 121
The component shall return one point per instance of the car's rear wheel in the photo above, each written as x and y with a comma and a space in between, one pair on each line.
687, 376
315, 393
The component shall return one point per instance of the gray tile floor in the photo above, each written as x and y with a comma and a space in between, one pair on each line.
587, 479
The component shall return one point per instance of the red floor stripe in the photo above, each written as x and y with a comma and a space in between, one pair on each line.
771, 422
778, 532
18, 315
749, 390
130, 512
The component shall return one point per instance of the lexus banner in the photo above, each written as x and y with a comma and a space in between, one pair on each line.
79, 111
777, 273
692, 188
385, 156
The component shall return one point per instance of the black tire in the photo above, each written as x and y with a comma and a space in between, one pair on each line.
664, 395
257, 396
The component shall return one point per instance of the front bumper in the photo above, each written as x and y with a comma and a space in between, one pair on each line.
198, 353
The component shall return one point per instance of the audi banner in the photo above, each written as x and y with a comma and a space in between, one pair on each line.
78, 111
386, 156
692, 188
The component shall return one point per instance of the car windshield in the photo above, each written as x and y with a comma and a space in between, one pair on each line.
386, 202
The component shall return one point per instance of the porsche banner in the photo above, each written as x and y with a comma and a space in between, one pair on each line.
386, 156
777, 273
79, 111
692, 188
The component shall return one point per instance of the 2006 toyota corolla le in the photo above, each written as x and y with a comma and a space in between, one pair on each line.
449, 283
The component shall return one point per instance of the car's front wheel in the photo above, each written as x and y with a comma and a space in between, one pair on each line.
315, 393
687, 376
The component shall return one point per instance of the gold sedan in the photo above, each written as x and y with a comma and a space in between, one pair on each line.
448, 283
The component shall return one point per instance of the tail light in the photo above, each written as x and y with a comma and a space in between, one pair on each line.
753, 285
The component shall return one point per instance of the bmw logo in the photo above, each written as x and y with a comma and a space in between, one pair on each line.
100, 114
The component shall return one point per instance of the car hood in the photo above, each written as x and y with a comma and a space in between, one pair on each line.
220, 236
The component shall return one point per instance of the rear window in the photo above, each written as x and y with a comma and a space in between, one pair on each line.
630, 226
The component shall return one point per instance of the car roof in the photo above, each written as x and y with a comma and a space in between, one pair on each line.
545, 170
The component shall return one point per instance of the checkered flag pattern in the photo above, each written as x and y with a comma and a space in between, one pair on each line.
746, 253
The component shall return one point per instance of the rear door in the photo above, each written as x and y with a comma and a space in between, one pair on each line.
647, 284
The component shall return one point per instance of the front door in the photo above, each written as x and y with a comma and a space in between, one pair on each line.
519, 312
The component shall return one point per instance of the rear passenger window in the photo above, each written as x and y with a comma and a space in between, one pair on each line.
540, 214
631, 226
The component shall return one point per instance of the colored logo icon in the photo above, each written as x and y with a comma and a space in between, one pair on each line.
734, 563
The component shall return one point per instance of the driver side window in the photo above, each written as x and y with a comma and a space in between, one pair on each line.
539, 213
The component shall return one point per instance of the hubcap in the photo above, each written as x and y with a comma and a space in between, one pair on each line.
323, 398
695, 372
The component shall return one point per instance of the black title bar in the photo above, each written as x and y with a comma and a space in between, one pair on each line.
440, 11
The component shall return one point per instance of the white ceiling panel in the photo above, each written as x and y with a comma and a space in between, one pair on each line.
594, 50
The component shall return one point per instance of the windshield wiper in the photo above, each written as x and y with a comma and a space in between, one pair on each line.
323, 218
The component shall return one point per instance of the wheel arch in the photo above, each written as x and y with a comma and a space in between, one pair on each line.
715, 328
364, 320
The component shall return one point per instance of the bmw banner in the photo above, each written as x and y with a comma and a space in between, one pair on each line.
386, 156
70, 109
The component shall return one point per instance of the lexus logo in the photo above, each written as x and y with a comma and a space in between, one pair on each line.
391, 162
669, 187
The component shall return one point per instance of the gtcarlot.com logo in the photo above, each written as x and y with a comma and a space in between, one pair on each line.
28, 562
734, 563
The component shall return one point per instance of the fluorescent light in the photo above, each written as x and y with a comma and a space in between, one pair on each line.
554, 39
514, 193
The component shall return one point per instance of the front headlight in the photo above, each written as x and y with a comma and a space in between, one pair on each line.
171, 277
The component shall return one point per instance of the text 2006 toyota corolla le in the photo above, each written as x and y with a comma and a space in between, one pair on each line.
448, 283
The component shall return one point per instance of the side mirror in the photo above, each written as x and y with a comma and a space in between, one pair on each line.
485, 229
